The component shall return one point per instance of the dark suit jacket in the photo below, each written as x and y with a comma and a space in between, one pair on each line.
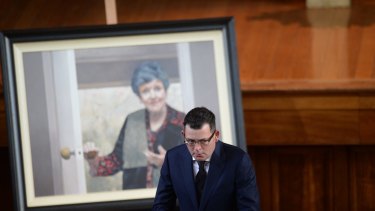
230, 184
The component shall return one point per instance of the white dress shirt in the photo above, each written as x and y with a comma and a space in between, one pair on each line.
196, 166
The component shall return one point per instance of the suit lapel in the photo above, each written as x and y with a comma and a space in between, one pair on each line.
188, 178
217, 164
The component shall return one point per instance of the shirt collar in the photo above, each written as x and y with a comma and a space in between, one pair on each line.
207, 160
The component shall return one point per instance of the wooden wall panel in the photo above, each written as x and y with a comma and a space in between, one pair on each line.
295, 178
307, 100
362, 179
284, 45
367, 126
281, 44
315, 177
309, 118
24, 14
339, 182
303, 174
261, 157
301, 127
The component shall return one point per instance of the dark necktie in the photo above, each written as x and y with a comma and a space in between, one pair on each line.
200, 178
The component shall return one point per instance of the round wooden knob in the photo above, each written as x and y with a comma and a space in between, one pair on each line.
66, 153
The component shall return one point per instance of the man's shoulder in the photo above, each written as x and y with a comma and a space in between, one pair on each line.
230, 147
177, 151
235, 156
232, 150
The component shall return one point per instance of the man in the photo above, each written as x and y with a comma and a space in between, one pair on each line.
205, 173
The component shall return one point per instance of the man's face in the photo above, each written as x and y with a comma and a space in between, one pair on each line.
201, 151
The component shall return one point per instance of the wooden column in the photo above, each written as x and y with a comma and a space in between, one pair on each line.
327, 3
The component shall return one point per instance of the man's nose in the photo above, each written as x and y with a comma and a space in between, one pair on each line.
197, 147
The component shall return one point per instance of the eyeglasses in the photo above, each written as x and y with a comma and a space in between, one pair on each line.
202, 142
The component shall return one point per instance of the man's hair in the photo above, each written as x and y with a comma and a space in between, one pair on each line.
198, 116
146, 72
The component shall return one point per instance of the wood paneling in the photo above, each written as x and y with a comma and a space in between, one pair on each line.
281, 44
309, 118
302, 127
367, 126
299, 178
362, 178
23, 14
310, 176
315, 177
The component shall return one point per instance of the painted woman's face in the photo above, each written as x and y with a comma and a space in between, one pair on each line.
153, 95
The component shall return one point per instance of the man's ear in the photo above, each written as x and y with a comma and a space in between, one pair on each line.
217, 134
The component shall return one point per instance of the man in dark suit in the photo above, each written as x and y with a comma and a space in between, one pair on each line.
205, 173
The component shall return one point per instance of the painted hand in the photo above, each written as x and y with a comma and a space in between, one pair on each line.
90, 151
156, 159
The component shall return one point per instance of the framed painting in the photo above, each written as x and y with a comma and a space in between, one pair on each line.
88, 107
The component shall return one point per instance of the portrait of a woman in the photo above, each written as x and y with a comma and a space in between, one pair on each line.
145, 135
